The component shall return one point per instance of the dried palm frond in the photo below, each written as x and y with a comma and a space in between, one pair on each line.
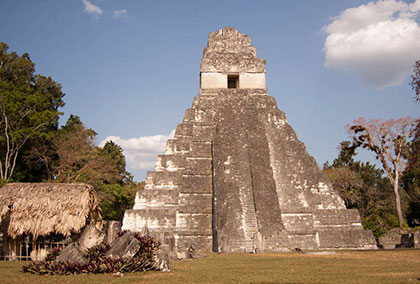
43, 208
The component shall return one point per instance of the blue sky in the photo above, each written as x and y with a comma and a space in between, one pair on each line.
130, 68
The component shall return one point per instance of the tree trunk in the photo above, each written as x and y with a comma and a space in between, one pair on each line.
398, 200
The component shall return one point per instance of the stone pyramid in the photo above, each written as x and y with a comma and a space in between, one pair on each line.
235, 177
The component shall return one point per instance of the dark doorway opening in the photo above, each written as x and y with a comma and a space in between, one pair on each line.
233, 81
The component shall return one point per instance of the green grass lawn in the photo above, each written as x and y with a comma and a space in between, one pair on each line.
397, 266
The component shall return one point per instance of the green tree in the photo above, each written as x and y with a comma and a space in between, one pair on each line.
115, 152
411, 178
363, 186
28, 107
346, 183
79, 159
117, 198
389, 140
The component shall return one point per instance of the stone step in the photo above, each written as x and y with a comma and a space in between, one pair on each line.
196, 184
162, 218
198, 166
195, 203
164, 178
156, 197
200, 149
170, 162
169, 148
184, 130
200, 115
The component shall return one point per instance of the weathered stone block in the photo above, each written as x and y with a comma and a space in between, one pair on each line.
200, 149
200, 243
162, 261
155, 218
184, 129
71, 253
202, 116
345, 237
113, 228
170, 163
330, 217
156, 196
196, 184
165, 238
391, 240
213, 80
194, 223
195, 203
252, 81
277, 242
91, 237
298, 223
182, 145
205, 99
307, 241
407, 241
416, 239
169, 148
165, 178
123, 247
198, 166
203, 132
189, 115
232, 64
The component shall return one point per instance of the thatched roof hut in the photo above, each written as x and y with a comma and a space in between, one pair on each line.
43, 208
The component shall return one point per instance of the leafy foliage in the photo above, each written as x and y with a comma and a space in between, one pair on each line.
98, 263
52, 255
79, 159
116, 198
115, 152
347, 183
106, 265
97, 253
363, 186
411, 179
148, 245
104, 168
28, 108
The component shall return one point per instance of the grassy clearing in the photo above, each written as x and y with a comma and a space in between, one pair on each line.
397, 266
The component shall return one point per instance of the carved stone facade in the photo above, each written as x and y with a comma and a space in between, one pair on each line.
235, 177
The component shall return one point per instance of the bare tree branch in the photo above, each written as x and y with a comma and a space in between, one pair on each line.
387, 139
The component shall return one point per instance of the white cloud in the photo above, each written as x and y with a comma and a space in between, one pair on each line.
119, 14
379, 41
141, 153
94, 10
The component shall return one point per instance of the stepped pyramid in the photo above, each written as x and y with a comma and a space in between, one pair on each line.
235, 177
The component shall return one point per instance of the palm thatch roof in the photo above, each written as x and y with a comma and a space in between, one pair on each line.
43, 208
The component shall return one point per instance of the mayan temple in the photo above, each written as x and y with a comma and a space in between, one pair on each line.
235, 177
